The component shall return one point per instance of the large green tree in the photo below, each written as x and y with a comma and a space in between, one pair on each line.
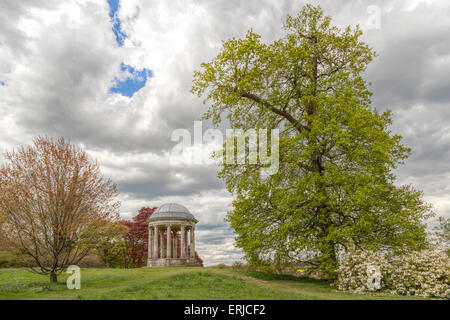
335, 185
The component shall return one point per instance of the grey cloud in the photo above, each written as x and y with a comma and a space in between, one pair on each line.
58, 81
413, 58
156, 182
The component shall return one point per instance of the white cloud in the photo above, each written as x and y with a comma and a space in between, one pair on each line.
59, 59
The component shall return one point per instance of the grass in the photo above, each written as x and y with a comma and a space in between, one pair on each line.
171, 283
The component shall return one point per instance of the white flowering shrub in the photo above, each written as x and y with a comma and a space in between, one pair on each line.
422, 273
353, 270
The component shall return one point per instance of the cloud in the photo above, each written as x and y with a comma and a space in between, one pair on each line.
58, 61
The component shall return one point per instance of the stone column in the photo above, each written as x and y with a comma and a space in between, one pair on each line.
155, 242
192, 249
161, 244
169, 243
183, 241
175, 240
150, 243
186, 243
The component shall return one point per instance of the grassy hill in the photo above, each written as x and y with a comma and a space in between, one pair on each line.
171, 283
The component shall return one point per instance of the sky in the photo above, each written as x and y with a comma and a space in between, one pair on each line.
114, 77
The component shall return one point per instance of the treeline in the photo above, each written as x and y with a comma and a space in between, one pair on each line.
128, 246
122, 244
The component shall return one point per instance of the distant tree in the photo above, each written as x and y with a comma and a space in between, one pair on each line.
335, 188
54, 201
3, 237
442, 233
136, 238
112, 248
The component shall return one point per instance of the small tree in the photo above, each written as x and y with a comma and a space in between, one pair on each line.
53, 199
137, 238
112, 248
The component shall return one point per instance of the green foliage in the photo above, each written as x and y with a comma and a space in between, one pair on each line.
114, 254
335, 186
111, 247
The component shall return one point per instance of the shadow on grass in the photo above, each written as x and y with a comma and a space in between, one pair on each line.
283, 277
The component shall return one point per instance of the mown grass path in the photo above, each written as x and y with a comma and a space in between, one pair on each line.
171, 283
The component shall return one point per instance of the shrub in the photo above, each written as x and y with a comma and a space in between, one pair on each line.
422, 273
13, 259
91, 261
239, 265
353, 270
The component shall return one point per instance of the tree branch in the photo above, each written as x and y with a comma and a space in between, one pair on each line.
300, 127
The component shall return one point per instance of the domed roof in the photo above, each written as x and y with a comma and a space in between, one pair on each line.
172, 211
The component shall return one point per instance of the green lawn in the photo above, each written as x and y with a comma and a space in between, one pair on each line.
170, 283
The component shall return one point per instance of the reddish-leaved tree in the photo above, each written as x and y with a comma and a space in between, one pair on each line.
137, 238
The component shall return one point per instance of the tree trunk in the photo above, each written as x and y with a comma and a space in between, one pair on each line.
53, 277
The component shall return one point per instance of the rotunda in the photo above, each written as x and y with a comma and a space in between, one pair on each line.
171, 237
